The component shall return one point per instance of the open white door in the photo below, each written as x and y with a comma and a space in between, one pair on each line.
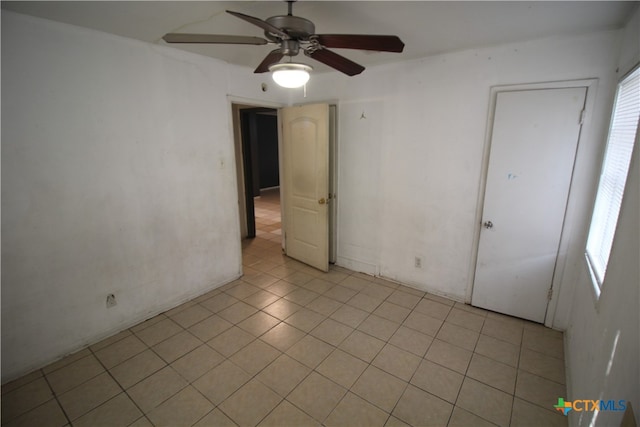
305, 187
533, 147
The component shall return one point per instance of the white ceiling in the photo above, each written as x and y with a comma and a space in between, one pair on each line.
426, 27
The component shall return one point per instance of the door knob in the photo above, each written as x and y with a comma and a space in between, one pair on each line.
322, 201
488, 224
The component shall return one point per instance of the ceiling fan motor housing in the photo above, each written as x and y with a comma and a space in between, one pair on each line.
298, 28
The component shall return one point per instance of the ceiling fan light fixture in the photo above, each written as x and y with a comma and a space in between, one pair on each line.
290, 75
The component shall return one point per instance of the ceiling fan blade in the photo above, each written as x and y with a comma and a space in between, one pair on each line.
336, 61
212, 38
362, 42
273, 57
260, 23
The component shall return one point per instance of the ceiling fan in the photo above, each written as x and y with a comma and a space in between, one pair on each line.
292, 34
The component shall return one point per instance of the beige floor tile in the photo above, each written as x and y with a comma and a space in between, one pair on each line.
255, 357
281, 288
112, 339
285, 414
250, 404
88, 396
159, 332
471, 309
193, 365
23, 380
545, 341
283, 375
526, 414
219, 302
237, 312
466, 319
156, 388
222, 381
310, 351
137, 368
282, 309
74, 374
48, 414
362, 345
177, 346
305, 319
119, 411
499, 350
378, 327
486, 402
149, 322
396, 361
449, 356
419, 408
182, 409
320, 285
324, 305
332, 332
411, 340
282, 336
462, 418
395, 422
215, 418
404, 299
340, 293
355, 282
301, 296
365, 302
538, 390
379, 388
457, 335
438, 380
439, 299
120, 351
261, 299
210, 327
433, 308
191, 316
377, 290
349, 315
242, 290
335, 276
258, 323
298, 278
493, 373
357, 412
423, 323
505, 331
317, 396
542, 365
230, 341
393, 312
261, 280
342, 368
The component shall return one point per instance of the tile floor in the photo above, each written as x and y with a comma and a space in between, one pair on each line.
287, 345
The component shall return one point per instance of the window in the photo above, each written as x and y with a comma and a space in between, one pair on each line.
613, 176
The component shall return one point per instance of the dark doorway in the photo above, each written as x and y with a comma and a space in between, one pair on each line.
259, 128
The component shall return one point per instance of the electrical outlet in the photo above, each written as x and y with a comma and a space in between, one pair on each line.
418, 262
111, 300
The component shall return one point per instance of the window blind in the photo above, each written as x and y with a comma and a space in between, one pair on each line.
613, 176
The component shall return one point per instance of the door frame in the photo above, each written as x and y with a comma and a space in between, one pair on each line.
235, 104
568, 231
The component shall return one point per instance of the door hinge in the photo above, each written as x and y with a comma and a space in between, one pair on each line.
549, 294
583, 113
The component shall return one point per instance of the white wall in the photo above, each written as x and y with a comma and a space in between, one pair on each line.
602, 340
118, 176
409, 172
